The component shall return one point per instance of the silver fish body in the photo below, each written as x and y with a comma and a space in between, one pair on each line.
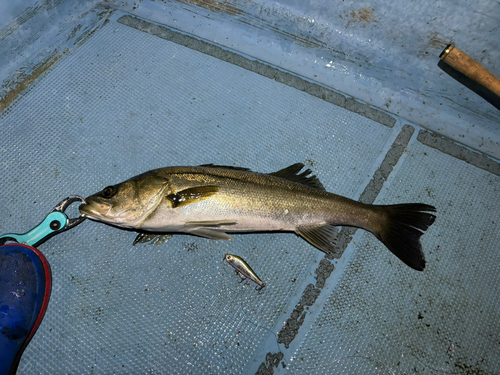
212, 201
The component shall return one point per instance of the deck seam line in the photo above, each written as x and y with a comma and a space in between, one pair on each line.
260, 67
448, 146
326, 267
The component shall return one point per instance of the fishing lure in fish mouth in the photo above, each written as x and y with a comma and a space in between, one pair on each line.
244, 270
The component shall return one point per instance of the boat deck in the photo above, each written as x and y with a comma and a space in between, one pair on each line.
129, 95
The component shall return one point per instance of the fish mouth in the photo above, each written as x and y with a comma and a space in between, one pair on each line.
94, 210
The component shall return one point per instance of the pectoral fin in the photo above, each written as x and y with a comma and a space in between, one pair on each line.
210, 233
191, 195
323, 238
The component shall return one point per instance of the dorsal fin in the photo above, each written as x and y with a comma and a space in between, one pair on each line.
291, 173
224, 166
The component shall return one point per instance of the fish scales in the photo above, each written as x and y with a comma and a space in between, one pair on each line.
212, 201
247, 196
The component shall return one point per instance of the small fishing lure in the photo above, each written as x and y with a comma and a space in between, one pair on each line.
244, 270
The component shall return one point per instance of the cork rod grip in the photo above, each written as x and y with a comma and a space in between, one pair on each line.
469, 67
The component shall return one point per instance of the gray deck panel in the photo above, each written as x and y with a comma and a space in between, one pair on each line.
382, 317
125, 102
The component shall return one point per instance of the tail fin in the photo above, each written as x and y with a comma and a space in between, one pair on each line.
404, 225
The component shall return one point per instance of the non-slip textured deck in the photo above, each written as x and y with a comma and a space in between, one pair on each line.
381, 318
125, 102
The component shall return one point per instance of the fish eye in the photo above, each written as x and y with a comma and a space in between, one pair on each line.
108, 192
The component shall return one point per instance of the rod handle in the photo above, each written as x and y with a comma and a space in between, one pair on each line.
469, 67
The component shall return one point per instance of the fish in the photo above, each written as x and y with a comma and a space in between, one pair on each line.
244, 270
214, 201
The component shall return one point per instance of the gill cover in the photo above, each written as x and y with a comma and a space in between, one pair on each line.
128, 203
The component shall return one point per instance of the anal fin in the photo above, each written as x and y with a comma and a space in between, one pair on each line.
323, 237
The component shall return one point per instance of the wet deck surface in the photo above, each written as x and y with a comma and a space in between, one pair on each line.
129, 99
